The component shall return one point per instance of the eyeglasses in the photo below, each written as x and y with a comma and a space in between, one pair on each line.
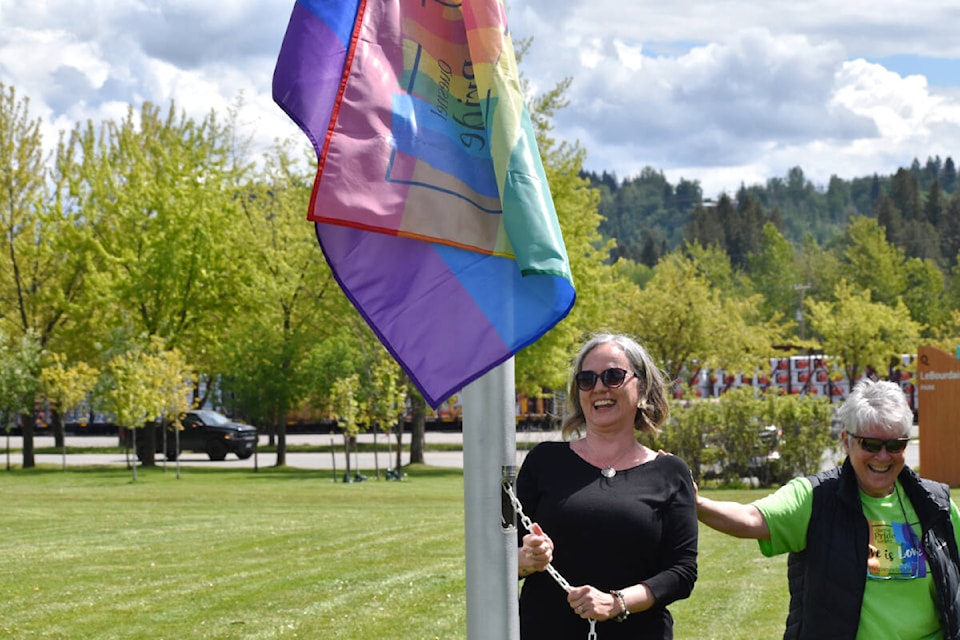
611, 378
873, 445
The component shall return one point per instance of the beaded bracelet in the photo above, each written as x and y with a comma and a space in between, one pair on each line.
623, 606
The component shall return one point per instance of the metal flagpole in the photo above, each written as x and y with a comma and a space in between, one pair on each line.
489, 457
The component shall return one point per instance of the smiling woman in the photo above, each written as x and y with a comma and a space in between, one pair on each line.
614, 518
852, 531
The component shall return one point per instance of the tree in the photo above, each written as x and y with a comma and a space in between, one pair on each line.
682, 318
19, 380
905, 193
839, 200
43, 262
687, 436
706, 225
384, 399
289, 299
66, 387
173, 380
147, 384
805, 421
873, 263
924, 294
820, 267
934, 203
860, 333
890, 219
774, 272
948, 176
743, 230
159, 192
346, 406
949, 231
22, 195
130, 398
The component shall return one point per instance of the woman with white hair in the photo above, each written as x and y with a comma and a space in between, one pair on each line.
873, 547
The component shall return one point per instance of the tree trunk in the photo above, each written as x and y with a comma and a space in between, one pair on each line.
418, 428
346, 450
26, 428
148, 444
399, 464
281, 428
58, 428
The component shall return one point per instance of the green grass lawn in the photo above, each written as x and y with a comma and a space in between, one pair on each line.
286, 553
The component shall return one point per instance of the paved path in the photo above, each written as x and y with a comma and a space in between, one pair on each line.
319, 460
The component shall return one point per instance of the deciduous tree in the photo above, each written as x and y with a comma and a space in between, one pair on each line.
65, 387
862, 333
19, 381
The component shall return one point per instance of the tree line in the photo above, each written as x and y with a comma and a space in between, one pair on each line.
156, 237
918, 207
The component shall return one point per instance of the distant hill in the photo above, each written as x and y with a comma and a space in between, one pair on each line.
649, 217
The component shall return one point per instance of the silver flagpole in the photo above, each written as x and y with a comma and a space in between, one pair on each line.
489, 455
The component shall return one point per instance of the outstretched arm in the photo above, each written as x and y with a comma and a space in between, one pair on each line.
732, 518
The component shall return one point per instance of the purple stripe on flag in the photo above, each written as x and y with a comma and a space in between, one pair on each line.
309, 67
403, 288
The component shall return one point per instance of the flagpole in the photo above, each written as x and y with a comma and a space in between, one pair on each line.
489, 455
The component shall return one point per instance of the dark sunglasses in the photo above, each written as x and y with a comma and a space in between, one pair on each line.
873, 445
611, 378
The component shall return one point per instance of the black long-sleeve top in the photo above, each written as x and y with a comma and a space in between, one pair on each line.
611, 533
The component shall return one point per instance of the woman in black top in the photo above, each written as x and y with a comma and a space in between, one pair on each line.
617, 520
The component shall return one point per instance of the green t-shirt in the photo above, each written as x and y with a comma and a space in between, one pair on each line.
897, 572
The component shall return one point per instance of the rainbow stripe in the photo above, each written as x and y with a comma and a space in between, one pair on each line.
430, 202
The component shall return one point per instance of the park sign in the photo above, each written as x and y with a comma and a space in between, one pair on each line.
938, 404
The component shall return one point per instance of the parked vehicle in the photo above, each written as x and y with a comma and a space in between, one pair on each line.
209, 432
763, 463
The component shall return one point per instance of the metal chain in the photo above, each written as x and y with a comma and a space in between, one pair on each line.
528, 525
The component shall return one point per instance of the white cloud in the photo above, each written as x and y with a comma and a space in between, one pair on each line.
723, 92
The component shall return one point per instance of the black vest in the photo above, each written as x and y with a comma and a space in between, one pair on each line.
827, 578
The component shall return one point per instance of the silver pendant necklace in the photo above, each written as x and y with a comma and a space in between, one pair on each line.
609, 471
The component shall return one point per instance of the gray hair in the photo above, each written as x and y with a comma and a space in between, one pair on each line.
654, 402
882, 404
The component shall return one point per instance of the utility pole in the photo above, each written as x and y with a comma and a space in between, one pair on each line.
800, 288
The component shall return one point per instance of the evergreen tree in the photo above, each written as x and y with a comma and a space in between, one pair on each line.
934, 205
889, 217
875, 190
705, 227
948, 176
742, 229
931, 172
838, 199
687, 196
652, 250
905, 193
949, 230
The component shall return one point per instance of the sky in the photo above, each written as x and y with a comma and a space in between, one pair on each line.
723, 92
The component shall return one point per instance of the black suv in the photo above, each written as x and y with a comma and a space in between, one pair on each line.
210, 432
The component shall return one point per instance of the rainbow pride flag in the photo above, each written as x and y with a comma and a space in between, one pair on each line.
430, 202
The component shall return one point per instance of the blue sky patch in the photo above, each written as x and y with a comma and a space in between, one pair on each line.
940, 72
